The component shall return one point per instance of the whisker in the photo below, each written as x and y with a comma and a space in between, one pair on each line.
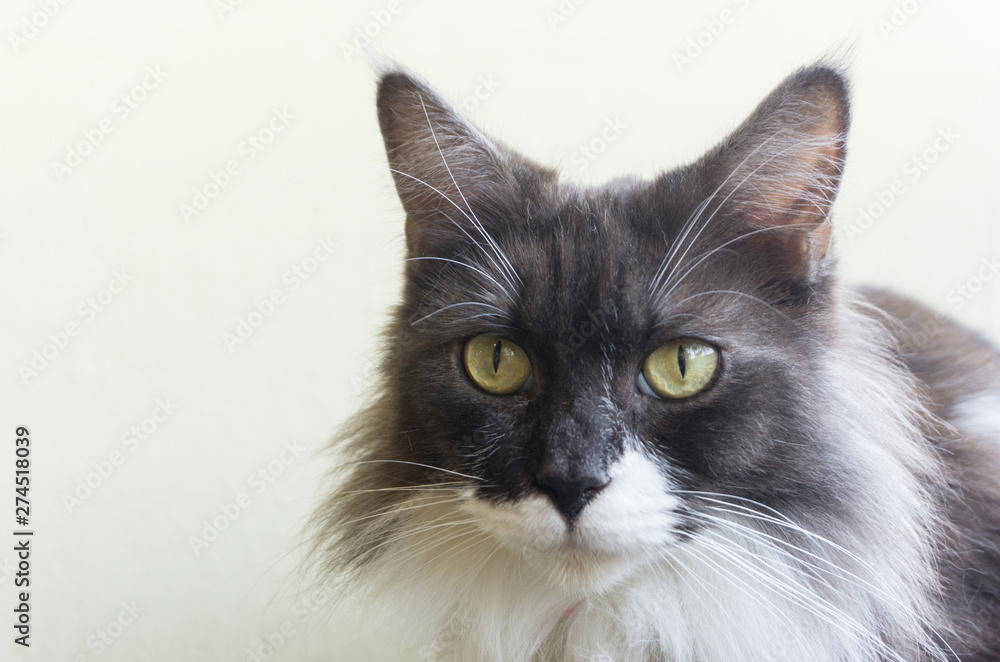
418, 464
705, 256
432, 487
813, 604
482, 230
466, 265
399, 508
704, 225
461, 303
742, 294
779, 519
682, 235
737, 582
409, 533
782, 521
453, 221
806, 598
427, 545
728, 196
471, 539
831, 569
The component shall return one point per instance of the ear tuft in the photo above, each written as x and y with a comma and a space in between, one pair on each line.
782, 168
443, 166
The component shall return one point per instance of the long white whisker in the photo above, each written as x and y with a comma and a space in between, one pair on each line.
408, 533
705, 256
778, 519
461, 303
499, 253
804, 597
723, 203
708, 590
739, 583
704, 225
781, 520
829, 568
434, 543
418, 464
685, 229
737, 293
411, 504
431, 487
467, 266
453, 221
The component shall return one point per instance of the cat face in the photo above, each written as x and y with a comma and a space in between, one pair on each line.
588, 367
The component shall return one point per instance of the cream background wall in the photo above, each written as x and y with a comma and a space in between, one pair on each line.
127, 298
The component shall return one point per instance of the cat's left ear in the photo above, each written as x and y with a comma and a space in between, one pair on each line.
780, 171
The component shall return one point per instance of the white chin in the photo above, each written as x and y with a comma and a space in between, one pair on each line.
580, 571
628, 524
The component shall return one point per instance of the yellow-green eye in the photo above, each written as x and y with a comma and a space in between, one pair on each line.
496, 364
679, 369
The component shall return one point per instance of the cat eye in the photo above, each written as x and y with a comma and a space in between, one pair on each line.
495, 364
679, 369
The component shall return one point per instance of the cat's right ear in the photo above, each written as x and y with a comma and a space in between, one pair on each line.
446, 172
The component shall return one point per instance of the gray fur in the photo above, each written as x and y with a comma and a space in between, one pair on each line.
824, 480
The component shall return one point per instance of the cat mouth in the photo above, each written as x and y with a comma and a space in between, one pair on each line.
534, 527
635, 516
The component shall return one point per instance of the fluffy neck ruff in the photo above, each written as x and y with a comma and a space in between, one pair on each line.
757, 585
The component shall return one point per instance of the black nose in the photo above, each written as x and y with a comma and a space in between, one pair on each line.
570, 494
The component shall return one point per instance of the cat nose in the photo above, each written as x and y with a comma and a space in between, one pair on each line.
570, 494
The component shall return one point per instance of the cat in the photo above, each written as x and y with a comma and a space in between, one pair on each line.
645, 420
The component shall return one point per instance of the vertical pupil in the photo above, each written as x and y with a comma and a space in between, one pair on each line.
496, 355
681, 359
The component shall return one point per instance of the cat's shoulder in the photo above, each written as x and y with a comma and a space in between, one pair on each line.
960, 366
932, 339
